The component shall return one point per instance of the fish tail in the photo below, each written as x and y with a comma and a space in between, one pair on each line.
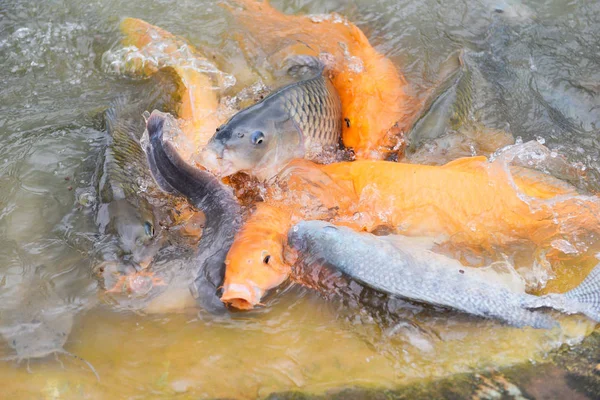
155, 124
90, 366
154, 127
586, 296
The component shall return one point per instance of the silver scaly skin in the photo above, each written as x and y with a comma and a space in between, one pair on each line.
315, 108
399, 266
300, 120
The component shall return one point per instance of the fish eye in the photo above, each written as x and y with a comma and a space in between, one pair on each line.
257, 137
267, 259
149, 228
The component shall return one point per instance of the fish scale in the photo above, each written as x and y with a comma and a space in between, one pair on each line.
314, 111
302, 119
400, 266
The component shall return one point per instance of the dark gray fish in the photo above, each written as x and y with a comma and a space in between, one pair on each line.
300, 120
401, 267
207, 193
124, 186
540, 80
448, 108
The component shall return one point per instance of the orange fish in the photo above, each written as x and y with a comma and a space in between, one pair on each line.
469, 200
376, 102
198, 101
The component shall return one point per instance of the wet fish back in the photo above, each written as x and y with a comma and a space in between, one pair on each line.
315, 108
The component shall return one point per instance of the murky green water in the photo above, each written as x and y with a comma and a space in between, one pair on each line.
539, 73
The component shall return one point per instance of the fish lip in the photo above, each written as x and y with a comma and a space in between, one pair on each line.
227, 168
241, 296
217, 161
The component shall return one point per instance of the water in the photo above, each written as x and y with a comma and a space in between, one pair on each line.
539, 57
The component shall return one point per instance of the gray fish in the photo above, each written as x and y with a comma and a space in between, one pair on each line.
400, 267
37, 320
448, 108
300, 120
207, 193
124, 185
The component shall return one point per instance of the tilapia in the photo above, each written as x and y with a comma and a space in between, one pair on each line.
300, 120
414, 272
207, 193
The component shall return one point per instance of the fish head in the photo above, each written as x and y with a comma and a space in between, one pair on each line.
310, 241
134, 224
259, 140
254, 265
307, 234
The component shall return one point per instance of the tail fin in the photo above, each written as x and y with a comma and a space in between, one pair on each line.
90, 366
587, 295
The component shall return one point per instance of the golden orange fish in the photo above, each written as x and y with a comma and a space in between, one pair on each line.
469, 200
377, 105
198, 100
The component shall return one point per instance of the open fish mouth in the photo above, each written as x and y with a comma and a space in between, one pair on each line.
242, 296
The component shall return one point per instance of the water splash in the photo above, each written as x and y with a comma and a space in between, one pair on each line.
130, 61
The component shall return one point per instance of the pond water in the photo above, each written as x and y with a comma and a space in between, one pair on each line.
538, 70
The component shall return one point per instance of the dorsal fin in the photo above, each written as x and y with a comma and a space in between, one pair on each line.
304, 66
466, 163
538, 184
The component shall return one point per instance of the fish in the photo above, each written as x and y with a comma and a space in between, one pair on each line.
199, 81
37, 319
208, 194
125, 213
300, 120
255, 261
185, 83
378, 104
413, 272
449, 127
460, 202
447, 109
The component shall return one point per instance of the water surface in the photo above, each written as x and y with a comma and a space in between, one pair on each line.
538, 59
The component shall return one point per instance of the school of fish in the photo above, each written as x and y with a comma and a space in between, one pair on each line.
460, 202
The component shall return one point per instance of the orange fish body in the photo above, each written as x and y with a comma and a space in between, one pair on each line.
197, 100
469, 200
261, 244
376, 103
470, 197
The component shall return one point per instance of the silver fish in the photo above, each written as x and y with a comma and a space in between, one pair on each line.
299, 120
399, 267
